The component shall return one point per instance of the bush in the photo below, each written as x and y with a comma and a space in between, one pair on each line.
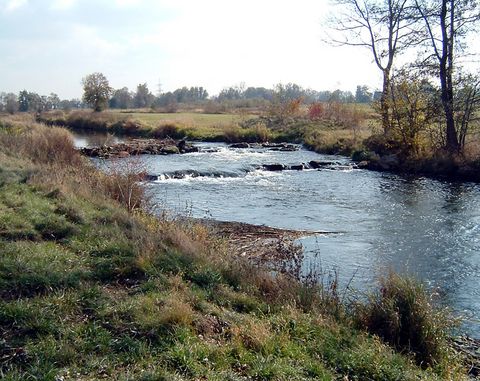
382, 145
316, 111
168, 130
123, 185
402, 314
49, 145
82, 120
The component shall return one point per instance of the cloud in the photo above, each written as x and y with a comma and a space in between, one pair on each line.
12, 5
63, 4
127, 3
88, 39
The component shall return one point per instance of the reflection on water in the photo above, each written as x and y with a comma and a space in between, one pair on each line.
94, 139
419, 226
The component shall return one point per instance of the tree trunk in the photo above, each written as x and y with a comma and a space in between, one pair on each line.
452, 144
446, 75
385, 102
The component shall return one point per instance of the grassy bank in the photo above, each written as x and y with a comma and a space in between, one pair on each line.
193, 126
328, 136
92, 291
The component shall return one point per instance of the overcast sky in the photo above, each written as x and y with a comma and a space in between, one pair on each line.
49, 45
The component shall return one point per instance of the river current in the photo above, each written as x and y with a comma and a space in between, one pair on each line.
379, 221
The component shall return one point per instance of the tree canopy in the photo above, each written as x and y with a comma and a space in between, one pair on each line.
96, 91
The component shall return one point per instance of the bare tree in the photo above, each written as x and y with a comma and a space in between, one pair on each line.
466, 105
447, 23
385, 27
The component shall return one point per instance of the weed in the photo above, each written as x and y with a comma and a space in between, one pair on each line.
402, 314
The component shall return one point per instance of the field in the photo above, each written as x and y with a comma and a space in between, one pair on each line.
341, 130
187, 119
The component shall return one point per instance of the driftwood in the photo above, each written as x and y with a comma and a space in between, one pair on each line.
273, 248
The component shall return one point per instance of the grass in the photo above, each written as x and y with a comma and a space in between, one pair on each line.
403, 315
332, 135
194, 126
90, 290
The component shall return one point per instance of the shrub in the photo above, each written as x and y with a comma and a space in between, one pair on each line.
212, 107
129, 127
259, 133
382, 145
316, 111
88, 121
232, 134
168, 130
123, 185
49, 146
402, 314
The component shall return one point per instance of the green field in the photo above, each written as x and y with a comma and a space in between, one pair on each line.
187, 119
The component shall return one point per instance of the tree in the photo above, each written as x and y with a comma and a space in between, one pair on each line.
53, 101
23, 101
413, 109
11, 103
466, 105
363, 95
143, 97
385, 27
35, 102
96, 91
121, 98
258, 93
447, 23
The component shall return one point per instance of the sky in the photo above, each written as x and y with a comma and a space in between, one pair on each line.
50, 45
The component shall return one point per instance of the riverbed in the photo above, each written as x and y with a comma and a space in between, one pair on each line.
373, 221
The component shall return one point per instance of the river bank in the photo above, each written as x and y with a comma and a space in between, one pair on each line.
440, 166
89, 290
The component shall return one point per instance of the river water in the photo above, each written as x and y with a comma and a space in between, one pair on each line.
426, 228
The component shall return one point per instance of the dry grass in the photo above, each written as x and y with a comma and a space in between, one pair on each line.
403, 315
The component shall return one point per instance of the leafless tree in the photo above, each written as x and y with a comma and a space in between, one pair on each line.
447, 23
466, 105
385, 27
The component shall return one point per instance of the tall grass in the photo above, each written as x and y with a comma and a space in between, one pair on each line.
402, 314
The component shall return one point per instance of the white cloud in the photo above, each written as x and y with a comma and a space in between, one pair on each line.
63, 4
12, 5
127, 3
87, 40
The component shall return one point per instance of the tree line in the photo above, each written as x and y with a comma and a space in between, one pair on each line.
99, 95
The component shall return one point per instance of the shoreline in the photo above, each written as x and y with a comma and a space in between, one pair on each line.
264, 245
434, 168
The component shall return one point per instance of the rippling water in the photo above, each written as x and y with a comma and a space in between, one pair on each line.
424, 227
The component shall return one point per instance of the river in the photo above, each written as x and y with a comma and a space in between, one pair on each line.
380, 221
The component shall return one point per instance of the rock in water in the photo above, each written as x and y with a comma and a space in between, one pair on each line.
273, 167
297, 167
240, 145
